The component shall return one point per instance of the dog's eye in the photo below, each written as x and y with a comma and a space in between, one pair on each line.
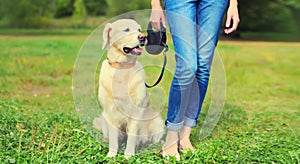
126, 30
139, 30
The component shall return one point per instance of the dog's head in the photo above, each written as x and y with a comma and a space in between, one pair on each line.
125, 36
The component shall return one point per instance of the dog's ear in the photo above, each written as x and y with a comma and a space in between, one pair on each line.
106, 35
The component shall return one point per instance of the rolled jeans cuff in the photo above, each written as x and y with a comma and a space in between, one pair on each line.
189, 122
174, 126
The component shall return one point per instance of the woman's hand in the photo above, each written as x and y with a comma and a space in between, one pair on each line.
232, 16
157, 15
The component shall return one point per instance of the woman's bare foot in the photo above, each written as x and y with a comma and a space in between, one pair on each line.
184, 142
186, 145
171, 146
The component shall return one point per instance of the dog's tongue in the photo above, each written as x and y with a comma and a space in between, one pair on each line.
137, 50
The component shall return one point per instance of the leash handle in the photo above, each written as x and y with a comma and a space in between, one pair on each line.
162, 70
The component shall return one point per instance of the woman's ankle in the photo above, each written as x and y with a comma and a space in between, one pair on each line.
170, 147
184, 138
171, 138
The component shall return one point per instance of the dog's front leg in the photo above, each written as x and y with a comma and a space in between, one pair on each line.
132, 130
113, 134
130, 146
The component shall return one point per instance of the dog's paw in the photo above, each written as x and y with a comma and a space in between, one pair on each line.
127, 156
129, 152
111, 154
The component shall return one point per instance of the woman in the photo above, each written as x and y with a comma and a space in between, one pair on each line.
194, 25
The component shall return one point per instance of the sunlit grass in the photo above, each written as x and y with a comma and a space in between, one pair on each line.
38, 122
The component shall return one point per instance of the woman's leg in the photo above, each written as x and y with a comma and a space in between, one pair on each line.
209, 19
181, 17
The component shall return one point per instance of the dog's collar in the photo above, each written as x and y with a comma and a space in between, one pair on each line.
121, 65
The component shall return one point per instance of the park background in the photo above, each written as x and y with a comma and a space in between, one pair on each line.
39, 42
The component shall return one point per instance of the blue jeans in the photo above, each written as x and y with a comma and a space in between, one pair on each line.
194, 25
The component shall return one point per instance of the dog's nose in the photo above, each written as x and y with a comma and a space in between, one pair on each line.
142, 37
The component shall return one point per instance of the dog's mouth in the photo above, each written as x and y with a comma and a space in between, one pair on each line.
134, 51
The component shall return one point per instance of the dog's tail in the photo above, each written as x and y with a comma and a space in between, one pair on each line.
100, 124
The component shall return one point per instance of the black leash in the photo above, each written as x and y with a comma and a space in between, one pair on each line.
162, 70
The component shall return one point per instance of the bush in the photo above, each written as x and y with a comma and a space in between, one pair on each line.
63, 8
95, 7
268, 16
26, 14
79, 14
116, 7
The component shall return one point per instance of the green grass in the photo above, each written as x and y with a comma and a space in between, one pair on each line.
38, 122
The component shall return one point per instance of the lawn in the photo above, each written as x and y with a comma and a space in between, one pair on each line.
38, 122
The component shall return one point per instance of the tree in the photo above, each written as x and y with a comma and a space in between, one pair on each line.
294, 6
26, 13
265, 16
116, 7
95, 7
63, 8
79, 12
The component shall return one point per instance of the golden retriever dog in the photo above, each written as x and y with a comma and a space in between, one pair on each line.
122, 93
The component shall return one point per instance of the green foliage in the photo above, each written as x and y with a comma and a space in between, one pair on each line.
79, 12
256, 15
25, 13
290, 3
294, 6
116, 7
63, 8
95, 7
266, 16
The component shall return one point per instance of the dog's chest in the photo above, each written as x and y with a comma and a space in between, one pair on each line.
118, 86
117, 82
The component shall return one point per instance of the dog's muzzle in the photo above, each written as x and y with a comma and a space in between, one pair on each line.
133, 51
136, 50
